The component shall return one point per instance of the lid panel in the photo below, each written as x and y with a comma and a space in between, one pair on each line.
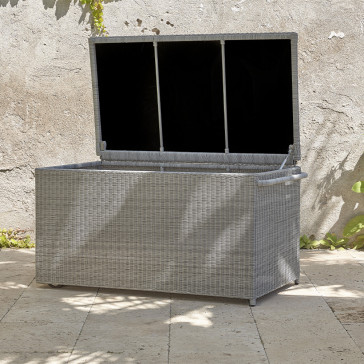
127, 96
259, 96
204, 98
190, 76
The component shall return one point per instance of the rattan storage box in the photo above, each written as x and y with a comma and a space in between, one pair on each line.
197, 190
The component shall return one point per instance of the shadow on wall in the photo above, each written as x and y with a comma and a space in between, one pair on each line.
341, 187
6, 2
333, 188
62, 7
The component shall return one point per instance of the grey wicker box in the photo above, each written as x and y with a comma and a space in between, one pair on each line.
197, 190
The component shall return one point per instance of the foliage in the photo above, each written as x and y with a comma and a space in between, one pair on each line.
358, 243
96, 7
309, 242
358, 187
10, 238
332, 242
354, 225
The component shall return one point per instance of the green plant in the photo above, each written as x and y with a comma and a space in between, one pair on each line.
358, 242
356, 224
358, 187
309, 242
96, 7
332, 242
10, 238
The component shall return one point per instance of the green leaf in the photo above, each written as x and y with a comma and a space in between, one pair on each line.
354, 226
332, 247
341, 248
325, 243
315, 243
320, 242
358, 187
358, 242
304, 240
331, 237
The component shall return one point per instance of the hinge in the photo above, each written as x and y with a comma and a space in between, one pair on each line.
102, 145
290, 152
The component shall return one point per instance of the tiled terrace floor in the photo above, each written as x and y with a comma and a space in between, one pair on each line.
319, 321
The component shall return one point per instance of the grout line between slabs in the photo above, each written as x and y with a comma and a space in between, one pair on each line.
17, 299
358, 260
79, 334
260, 336
169, 327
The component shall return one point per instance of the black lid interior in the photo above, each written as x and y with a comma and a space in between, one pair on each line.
258, 95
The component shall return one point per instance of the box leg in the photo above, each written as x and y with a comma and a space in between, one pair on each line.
296, 281
55, 285
252, 302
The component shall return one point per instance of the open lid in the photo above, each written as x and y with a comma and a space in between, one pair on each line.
230, 98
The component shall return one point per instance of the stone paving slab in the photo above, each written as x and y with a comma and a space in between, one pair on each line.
356, 331
38, 337
34, 358
130, 325
338, 277
219, 331
319, 321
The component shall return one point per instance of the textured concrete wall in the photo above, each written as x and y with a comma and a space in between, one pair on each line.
46, 110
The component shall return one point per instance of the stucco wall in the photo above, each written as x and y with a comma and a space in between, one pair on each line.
46, 109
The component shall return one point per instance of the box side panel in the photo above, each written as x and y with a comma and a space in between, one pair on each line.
277, 229
171, 232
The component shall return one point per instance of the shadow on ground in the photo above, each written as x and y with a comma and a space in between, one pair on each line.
88, 325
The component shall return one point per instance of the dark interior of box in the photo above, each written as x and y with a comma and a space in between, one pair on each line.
258, 94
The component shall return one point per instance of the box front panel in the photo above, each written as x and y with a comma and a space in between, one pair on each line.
172, 232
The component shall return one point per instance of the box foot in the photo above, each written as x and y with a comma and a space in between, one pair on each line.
55, 285
252, 302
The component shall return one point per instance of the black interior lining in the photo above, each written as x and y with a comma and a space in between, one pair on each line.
128, 96
190, 76
259, 96
258, 87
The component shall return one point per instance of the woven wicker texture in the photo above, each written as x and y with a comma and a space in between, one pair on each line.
216, 234
277, 217
206, 223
